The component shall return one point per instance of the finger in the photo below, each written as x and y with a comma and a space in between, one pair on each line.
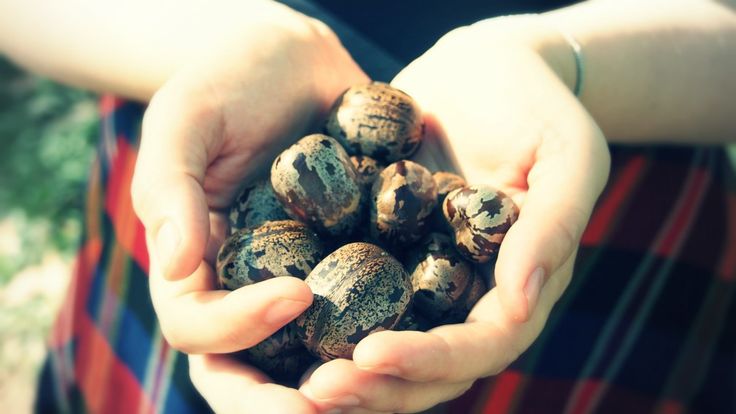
484, 345
231, 387
195, 318
179, 135
340, 384
568, 175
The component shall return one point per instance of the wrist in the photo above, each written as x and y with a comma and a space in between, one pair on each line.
537, 34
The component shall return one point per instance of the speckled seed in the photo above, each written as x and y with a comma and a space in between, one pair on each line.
440, 277
480, 217
376, 120
277, 248
459, 313
282, 356
256, 205
446, 182
402, 198
358, 289
367, 168
318, 185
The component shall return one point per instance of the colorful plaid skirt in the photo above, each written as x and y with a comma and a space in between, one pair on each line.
648, 324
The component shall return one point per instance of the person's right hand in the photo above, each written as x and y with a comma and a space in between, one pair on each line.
495, 103
216, 123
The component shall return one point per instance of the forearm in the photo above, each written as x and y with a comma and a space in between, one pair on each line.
656, 70
127, 47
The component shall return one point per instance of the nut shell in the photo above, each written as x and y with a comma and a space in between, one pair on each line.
446, 182
277, 248
358, 289
256, 205
318, 185
480, 217
376, 120
367, 168
282, 356
440, 277
402, 198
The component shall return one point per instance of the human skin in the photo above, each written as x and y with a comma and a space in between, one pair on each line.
503, 107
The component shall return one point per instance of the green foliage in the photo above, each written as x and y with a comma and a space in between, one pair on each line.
47, 133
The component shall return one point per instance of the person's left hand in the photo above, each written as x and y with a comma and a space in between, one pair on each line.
512, 123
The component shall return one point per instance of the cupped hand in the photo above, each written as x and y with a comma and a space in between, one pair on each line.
511, 122
218, 122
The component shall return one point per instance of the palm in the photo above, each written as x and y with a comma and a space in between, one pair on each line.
502, 118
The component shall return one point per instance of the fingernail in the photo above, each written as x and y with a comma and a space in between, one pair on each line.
533, 288
283, 311
167, 240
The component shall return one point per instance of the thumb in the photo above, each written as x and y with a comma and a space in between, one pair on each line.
564, 183
167, 188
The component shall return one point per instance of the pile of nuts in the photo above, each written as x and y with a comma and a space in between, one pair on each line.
382, 242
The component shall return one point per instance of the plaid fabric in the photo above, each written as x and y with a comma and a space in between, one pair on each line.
648, 324
107, 353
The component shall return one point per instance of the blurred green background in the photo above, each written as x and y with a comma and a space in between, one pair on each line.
47, 140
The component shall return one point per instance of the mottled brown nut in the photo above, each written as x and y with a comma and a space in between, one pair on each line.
480, 217
277, 248
318, 185
440, 277
446, 182
376, 120
282, 356
476, 289
403, 196
367, 168
256, 205
359, 289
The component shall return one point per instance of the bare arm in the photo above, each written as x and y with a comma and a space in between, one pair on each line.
127, 47
655, 70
